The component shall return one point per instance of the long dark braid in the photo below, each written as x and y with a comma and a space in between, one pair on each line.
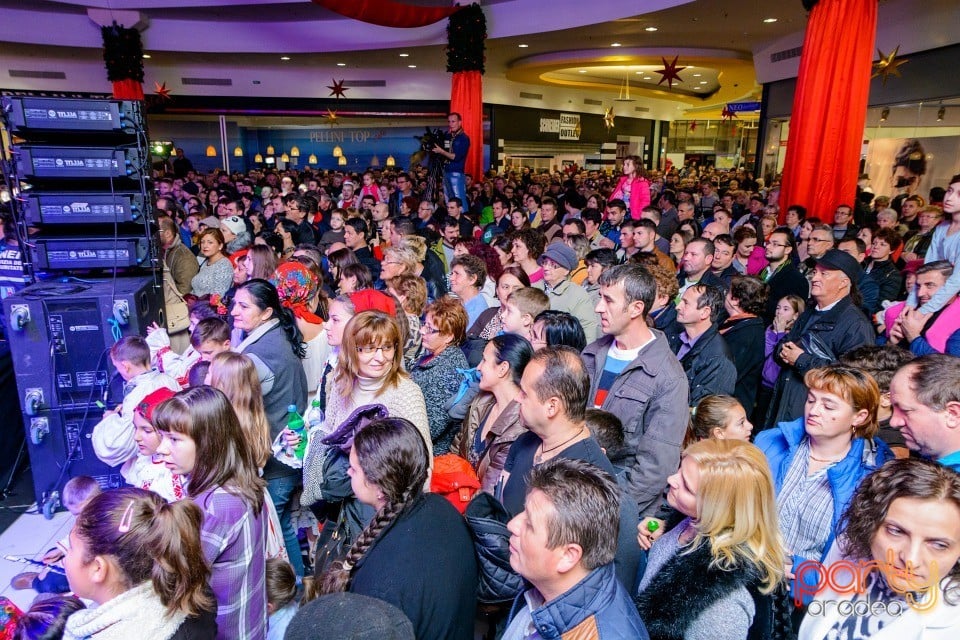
395, 458
336, 579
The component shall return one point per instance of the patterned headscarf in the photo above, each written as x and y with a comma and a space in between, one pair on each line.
297, 285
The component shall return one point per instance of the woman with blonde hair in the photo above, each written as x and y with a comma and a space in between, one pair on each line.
398, 261
418, 246
725, 558
236, 376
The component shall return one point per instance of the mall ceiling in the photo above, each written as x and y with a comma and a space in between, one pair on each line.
602, 47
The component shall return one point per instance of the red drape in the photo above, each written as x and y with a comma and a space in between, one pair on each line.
466, 98
388, 13
128, 89
829, 107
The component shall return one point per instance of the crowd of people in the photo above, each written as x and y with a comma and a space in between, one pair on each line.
673, 387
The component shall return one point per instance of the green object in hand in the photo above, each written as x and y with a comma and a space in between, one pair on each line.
652, 526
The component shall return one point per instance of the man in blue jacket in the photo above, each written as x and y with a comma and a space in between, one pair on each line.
563, 543
455, 152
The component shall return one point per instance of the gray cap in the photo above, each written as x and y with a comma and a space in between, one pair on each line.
561, 254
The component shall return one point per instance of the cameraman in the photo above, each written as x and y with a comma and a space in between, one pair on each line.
455, 151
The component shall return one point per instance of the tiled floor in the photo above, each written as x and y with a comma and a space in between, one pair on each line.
30, 536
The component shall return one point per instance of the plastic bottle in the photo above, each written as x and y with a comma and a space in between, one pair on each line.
295, 423
314, 416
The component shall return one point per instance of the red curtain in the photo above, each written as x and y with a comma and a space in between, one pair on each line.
829, 107
388, 13
466, 98
128, 89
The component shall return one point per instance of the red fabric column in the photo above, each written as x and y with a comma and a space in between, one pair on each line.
127, 90
466, 98
829, 107
388, 13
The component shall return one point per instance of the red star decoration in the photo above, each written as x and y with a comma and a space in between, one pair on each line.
337, 89
161, 90
693, 126
726, 114
670, 71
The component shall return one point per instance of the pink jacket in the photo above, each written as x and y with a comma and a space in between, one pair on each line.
639, 195
939, 332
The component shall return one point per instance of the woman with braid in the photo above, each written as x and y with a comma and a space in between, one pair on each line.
416, 553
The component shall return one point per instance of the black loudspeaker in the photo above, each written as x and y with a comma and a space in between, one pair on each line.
60, 448
60, 332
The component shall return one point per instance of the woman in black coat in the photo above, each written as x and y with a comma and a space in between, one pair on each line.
743, 332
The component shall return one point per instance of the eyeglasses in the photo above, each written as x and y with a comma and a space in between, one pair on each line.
428, 330
771, 243
369, 350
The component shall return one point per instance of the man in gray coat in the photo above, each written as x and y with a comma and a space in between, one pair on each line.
635, 376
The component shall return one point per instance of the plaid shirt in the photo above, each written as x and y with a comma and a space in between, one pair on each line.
233, 540
805, 507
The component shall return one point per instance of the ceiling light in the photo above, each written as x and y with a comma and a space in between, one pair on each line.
697, 75
284, 58
523, 46
615, 44
341, 64
769, 20
404, 55
647, 77
703, 82
650, 29
146, 56
411, 66
583, 70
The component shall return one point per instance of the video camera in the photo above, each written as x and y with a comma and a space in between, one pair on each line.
431, 138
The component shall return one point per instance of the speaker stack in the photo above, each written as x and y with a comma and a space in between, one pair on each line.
84, 216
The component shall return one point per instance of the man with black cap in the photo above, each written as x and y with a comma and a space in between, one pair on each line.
557, 261
824, 332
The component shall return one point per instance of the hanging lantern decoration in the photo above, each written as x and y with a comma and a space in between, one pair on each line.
285, 158
375, 161
270, 150
211, 151
342, 160
237, 152
391, 161
294, 151
312, 159
337, 152
258, 158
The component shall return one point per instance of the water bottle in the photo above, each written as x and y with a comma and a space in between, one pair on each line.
314, 416
295, 423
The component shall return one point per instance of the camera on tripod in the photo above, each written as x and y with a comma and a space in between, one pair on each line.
432, 138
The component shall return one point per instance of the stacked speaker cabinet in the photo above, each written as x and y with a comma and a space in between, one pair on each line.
84, 215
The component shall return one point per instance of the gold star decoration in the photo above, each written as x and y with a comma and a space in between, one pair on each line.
337, 89
887, 65
161, 91
608, 116
670, 71
332, 116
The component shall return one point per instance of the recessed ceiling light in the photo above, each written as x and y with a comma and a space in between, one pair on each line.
411, 66
146, 56
650, 29
583, 70
615, 44
703, 82
404, 55
647, 77
523, 46
697, 75
341, 64
639, 73
284, 58
769, 20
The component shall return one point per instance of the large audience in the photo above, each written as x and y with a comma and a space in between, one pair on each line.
576, 404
